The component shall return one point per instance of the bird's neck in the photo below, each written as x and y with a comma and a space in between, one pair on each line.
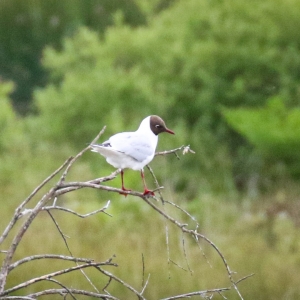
145, 130
145, 125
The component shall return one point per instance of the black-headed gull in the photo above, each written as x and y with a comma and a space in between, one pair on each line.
133, 150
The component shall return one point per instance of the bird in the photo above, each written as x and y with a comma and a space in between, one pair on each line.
133, 150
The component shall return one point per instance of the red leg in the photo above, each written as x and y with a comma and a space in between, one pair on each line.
123, 188
146, 191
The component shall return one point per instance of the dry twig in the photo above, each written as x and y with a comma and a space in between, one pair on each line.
62, 187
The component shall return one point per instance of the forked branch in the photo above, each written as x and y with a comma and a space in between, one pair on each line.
62, 187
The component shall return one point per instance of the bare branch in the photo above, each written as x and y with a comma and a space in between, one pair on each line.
144, 287
62, 292
185, 255
186, 149
54, 274
72, 186
48, 256
244, 278
156, 182
183, 210
18, 237
199, 293
48, 208
51, 194
107, 285
63, 187
198, 235
121, 281
22, 205
80, 154
177, 265
63, 286
66, 243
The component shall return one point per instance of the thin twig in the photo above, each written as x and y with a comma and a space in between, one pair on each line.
49, 292
183, 210
50, 275
156, 182
143, 270
144, 287
184, 253
117, 279
106, 286
195, 233
186, 149
67, 246
48, 256
177, 265
60, 232
69, 292
80, 154
48, 208
17, 239
244, 278
199, 293
63, 187
22, 205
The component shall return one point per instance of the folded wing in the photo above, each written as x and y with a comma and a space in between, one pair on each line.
132, 144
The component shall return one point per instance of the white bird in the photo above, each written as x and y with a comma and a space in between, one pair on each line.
133, 150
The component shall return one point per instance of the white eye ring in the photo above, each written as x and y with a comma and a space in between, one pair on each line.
158, 126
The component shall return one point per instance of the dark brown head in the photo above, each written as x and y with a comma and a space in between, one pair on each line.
158, 126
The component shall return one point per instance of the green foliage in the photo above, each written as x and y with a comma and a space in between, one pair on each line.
28, 26
273, 129
14, 143
6, 112
7, 115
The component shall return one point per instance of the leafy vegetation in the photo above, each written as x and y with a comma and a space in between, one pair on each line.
274, 130
28, 26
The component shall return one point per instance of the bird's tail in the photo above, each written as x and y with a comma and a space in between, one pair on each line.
95, 147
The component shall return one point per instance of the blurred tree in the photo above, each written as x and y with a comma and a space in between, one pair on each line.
27, 26
273, 129
7, 115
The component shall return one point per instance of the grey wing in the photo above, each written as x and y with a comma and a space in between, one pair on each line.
135, 146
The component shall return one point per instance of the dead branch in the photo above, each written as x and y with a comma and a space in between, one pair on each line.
54, 274
196, 235
115, 278
62, 187
186, 149
61, 292
48, 256
199, 293
22, 205
54, 207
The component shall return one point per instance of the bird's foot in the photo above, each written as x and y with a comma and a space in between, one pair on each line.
148, 193
125, 190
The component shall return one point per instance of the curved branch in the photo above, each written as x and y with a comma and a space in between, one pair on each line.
196, 235
48, 256
60, 292
62, 187
53, 274
22, 205
110, 275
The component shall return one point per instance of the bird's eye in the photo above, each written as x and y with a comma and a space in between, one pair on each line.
158, 126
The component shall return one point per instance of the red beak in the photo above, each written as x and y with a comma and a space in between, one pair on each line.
170, 131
